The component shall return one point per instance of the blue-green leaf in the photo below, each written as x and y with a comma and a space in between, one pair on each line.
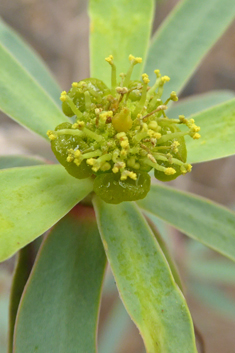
186, 36
203, 220
59, 309
144, 279
217, 134
13, 161
23, 99
28, 58
32, 200
120, 28
199, 102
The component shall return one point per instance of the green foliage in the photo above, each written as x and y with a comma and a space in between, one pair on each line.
199, 218
60, 303
29, 60
39, 196
120, 28
186, 36
217, 131
144, 280
23, 99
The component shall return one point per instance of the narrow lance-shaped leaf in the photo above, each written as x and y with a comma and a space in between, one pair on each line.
120, 28
144, 280
115, 329
186, 36
59, 309
13, 161
217, 134
32, 200
199, 218
23, 267
23, 99
213, 297
215, 271
167, 254
199, 102
28, 58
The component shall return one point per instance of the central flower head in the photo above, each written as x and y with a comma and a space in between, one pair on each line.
120, 134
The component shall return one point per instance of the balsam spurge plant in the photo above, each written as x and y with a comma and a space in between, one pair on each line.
115, 131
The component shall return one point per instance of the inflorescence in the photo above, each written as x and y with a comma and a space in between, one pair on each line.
121, 133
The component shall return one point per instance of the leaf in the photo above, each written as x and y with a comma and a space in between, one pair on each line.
167, 254
13, 161
32, 200
59, 309
120, 28
185, 37
144, 280
115, 329
217, 271
21, 274
214, 298
28, 59
217, 134
199, 218
23, 99
199, 102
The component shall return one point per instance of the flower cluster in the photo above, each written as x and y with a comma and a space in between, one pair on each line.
120, 134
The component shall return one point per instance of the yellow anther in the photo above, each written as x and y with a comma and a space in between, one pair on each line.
157, 72
169, 171
132, 175
127, 173
174, 146
90, 161
115, 170
189, 167
81, 124
51, 135
77, 153
75, 84
109, 59
135, 60
103, 116
182, 119
121, 90
123, 153
69, 158
77, 162
195, 128
173, 96
165, 79
154, 134
75, 126
124, 144
145, 78
196, 136
63, 96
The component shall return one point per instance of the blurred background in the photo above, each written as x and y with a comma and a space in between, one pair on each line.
58, 30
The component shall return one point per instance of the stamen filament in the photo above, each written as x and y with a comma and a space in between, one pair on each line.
171, 136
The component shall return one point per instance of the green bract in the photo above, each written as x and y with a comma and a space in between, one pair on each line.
120, 134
